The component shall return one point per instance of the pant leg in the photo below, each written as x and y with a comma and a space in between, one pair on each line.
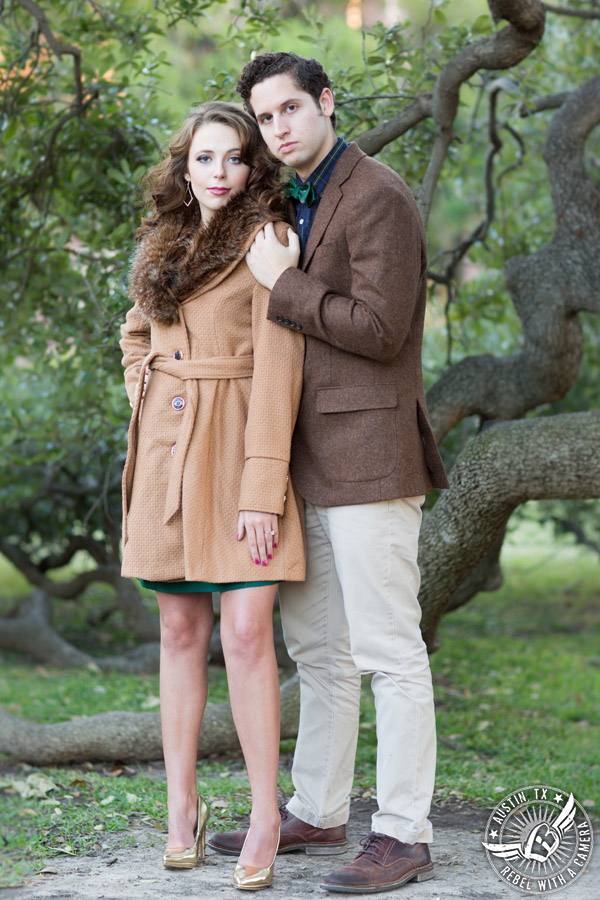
375, 550
316, 635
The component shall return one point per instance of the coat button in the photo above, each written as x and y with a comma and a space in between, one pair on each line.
178, 354
177, 403
173, 449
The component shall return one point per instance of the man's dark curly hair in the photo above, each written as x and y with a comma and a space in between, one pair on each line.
308, 74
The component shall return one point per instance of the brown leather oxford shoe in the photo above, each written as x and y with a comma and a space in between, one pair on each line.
383, 864
295, 835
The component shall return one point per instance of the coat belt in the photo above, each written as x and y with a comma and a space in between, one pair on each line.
214, 368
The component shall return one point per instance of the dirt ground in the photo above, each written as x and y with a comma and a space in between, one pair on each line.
462, 871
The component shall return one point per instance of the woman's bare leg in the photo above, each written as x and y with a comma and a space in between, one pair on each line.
247, 639
186, 622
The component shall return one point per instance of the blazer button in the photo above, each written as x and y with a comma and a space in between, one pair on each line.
280, 319
178, 354
298, 327
178, 403
286, 321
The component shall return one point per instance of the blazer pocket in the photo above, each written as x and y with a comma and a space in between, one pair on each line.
357, 431
354, 397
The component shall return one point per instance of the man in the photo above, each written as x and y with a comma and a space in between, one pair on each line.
363, 456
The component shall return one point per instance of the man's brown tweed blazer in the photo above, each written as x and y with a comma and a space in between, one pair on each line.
362, 433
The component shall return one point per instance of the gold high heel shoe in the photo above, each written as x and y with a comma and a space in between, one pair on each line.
249, 878
188, 857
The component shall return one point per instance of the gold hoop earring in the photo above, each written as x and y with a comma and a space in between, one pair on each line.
189, 191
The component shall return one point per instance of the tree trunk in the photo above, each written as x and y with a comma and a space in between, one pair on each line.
31, 633
506, 465
128, 736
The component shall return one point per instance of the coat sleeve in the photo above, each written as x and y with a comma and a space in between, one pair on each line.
383, 244
273, 407
135, 344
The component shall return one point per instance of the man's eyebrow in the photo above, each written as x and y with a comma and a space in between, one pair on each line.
281, 106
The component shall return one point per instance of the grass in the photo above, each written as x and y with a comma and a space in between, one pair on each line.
517, 685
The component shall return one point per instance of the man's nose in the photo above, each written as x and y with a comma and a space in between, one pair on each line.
281, 126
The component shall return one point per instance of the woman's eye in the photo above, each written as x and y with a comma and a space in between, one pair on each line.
203, 159
235, 159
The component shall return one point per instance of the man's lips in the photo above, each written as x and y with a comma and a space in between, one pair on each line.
218, 192
285, 148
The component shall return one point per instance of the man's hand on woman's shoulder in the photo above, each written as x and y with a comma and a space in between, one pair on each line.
268, 259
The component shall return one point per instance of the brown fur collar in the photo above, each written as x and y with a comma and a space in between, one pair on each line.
178, 256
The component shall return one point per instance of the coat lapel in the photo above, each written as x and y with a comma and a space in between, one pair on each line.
330, 199
178, 260
223, 273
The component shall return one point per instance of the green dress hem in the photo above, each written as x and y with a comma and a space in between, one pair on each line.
189, 587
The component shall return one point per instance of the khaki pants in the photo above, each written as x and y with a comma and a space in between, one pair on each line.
357, 613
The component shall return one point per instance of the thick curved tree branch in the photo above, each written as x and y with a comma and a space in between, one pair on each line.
31, 632
506, 465
578, 13
128, 736
548, 288
540, 104
500, 50
138, 618
372, 141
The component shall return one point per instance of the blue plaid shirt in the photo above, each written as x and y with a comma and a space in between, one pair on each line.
305, 215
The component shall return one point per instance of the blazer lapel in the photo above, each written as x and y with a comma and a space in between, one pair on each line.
330, 199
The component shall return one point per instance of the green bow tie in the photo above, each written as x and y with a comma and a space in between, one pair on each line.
305, 193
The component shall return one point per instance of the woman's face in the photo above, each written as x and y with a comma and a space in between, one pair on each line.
215, 169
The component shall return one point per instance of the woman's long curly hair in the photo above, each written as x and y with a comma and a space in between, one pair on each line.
165, 186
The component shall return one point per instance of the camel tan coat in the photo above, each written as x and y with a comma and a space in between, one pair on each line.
212, 434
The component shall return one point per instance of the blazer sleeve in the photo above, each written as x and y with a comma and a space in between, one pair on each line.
273, 407
135, 343
383, 244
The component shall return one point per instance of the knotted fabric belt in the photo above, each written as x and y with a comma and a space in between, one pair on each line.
213, 368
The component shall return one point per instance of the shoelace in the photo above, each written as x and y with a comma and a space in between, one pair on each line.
373, 844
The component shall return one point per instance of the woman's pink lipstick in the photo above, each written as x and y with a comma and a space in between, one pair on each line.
218, 192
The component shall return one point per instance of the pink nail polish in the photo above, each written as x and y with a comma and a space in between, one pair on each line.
270, 555
275, 545
264, 563
257, 561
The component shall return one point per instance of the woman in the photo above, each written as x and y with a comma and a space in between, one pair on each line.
215, 389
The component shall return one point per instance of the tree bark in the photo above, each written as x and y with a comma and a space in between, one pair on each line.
547, 288
141, 621
500, 50
127, 736
31, 632
506, 465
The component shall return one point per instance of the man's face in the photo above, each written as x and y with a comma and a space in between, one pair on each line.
295, 129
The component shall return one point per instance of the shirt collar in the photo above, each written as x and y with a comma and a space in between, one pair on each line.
321, 175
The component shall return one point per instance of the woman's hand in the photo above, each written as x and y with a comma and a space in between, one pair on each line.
262, 530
